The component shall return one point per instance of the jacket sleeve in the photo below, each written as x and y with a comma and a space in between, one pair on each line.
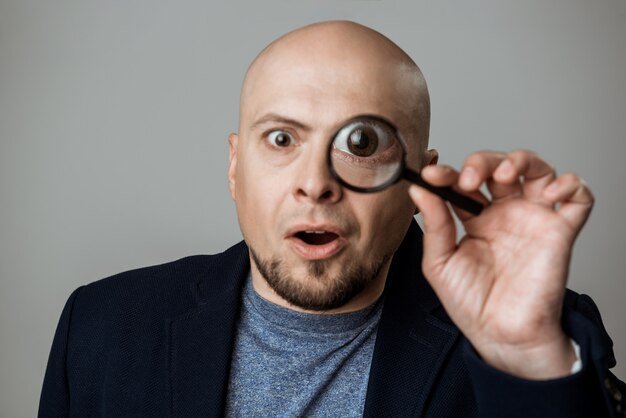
55, 396
592, 392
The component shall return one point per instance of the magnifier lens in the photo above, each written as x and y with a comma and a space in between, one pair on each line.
366, 154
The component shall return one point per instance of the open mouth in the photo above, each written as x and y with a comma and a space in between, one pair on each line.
316, 242
316, 237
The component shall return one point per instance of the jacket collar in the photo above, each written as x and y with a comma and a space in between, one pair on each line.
201, 341
413, 339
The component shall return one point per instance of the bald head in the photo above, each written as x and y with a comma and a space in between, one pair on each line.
335, 61
298, 94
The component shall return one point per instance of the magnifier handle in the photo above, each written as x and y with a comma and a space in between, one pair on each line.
447, 193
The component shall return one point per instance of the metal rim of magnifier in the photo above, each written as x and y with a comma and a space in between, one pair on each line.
394, 179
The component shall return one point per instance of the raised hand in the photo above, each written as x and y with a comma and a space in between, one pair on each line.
503, 284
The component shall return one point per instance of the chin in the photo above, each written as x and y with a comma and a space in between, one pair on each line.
319, 285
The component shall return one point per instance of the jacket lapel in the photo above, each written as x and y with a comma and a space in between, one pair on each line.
201, 341
411, 343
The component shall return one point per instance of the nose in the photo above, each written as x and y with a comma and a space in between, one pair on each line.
313, 181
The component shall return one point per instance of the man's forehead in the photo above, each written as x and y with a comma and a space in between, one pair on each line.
314, 86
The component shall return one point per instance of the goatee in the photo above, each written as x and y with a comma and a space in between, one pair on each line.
319, 291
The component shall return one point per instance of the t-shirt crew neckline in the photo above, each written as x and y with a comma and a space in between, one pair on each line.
305, 322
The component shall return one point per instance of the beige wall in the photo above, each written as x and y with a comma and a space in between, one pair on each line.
114, 117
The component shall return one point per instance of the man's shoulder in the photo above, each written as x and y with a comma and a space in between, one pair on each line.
172, 273
161, 290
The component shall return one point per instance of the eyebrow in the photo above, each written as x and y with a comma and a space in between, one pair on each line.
276, 118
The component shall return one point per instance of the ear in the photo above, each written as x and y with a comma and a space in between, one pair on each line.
232, 168
431, 157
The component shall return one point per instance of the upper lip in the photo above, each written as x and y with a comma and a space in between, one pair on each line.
315, 228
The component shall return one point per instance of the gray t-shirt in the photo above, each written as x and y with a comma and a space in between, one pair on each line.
291, 364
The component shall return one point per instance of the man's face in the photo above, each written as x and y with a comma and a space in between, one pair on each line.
316, 243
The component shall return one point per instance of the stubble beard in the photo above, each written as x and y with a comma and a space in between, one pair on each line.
326, 292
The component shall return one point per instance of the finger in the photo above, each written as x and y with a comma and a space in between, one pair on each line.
440, 175
575, 198
439, 229
479, 167
446, 176
537, 174
500, 191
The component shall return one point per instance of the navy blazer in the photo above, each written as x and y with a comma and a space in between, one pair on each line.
157, 342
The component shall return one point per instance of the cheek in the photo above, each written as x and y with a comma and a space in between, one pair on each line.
258, 197
384, 217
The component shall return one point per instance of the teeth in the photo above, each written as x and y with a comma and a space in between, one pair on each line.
315, 232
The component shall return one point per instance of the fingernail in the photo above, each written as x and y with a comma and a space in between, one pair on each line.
414, 191
505, 168
467, 176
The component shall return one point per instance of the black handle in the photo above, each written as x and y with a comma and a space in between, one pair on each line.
447, 193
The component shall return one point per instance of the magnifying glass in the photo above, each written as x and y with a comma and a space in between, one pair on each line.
368, 155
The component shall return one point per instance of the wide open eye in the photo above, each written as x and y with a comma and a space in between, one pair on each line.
280, 138
367, 138
366, 154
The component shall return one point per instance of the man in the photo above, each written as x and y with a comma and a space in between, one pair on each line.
324, 310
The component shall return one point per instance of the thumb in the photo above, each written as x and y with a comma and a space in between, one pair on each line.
439, 230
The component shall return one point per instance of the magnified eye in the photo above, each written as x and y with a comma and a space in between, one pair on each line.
365, 138
280, 139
